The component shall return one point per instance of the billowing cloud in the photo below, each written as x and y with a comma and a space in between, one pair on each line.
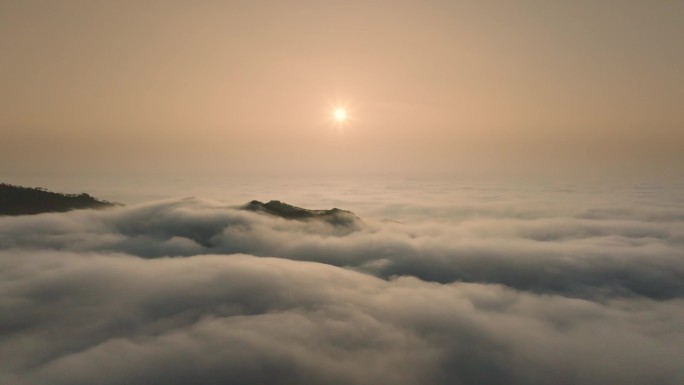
189, 291
572, 256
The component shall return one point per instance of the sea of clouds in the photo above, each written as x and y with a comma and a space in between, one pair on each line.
481, 286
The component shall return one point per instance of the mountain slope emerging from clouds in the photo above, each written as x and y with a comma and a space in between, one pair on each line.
333, 216
18, 200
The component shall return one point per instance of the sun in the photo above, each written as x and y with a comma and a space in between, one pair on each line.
340, 115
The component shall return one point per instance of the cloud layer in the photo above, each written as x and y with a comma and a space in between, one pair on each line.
190, 291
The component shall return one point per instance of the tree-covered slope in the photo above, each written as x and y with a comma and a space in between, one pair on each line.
17, 200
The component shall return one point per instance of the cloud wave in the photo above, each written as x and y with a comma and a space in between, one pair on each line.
189, 291
571, 256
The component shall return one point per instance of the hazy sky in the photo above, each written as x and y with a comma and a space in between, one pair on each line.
430, 86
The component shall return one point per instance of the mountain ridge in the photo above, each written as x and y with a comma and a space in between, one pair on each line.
334, 216
19, 200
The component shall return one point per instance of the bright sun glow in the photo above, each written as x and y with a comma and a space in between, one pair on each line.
340, 115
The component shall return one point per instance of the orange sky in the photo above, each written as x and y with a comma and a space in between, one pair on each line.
431, 86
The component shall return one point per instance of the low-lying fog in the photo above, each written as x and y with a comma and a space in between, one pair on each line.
435, 284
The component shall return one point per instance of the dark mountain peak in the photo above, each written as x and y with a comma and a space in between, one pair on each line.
18, 200
333, 216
